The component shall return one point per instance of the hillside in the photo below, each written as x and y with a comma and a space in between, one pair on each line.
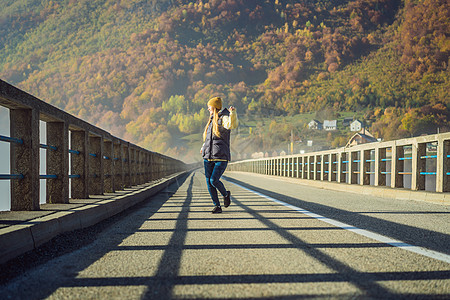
145, 69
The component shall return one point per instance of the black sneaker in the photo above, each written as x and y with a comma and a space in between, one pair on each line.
226, 199
217, 210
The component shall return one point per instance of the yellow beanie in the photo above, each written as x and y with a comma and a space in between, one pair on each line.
215, 102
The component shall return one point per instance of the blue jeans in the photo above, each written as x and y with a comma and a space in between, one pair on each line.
213, 172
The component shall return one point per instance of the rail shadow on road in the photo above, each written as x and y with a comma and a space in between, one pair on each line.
416, 236
168, 275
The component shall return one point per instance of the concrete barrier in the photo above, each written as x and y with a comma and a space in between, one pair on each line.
378, 191
401, 167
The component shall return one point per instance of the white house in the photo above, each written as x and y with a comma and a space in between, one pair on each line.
329, 125
314, 124
361, 137
356, 125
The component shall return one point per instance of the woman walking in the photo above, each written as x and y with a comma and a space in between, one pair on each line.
216, 149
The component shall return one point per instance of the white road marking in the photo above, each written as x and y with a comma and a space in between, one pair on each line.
372, 235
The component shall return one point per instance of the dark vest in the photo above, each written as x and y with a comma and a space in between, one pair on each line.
215, 147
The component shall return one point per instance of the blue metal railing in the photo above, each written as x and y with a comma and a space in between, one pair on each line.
11, 176
10, 139
74, 152
405, 158
48, 176
44, 146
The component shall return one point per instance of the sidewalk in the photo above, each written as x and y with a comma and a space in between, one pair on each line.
22, 231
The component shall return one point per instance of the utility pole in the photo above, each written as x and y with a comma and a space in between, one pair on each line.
292, 141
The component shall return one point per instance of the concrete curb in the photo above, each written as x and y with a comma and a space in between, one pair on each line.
18, 239
377, 191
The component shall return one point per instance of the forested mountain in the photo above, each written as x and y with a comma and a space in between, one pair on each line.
145, 69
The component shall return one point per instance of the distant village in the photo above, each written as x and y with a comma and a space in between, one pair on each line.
329, 125
361, 136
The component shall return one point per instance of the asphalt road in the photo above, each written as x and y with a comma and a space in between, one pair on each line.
316, 244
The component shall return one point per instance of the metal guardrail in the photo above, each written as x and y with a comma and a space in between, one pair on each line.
405, 163
122, 163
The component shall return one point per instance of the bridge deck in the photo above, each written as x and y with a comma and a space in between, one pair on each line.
173, 247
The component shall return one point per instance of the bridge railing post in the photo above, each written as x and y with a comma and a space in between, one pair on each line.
140, 170
278, 171
339, 167
266, 161
152, 166
138, 167
353, 163
294, 167
135, 164
366, 162
343, 167
24, 125
266, 166
58, 162
280, 167
155, 163
127, 164
274, 166
326, 166
157, 166
287, 161
382, 167
132, 167
144, 169
317, 165
79, 164
96, 165
300, 166
119, 174
289, 167
418, 166
443, 166
333, 167
108, 166
149, 166
308, 167
399, 166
